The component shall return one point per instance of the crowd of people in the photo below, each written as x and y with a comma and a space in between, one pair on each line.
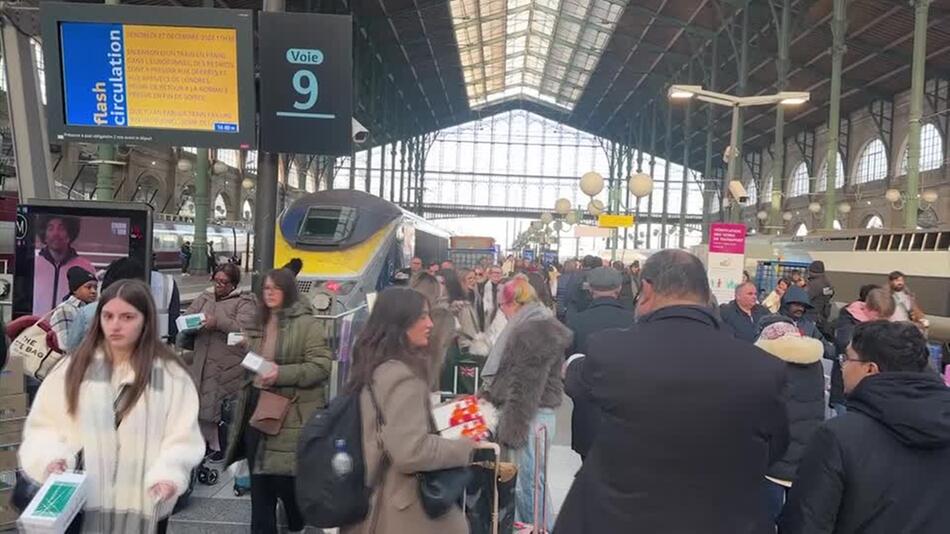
744, 417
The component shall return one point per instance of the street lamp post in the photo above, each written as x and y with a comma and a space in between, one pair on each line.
732, 154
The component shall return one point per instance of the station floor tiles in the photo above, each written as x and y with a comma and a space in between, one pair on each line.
215, 509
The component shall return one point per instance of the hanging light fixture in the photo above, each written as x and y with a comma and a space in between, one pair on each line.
562, 206
592, 184
640, 185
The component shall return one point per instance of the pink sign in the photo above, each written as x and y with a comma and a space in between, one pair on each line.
727, 238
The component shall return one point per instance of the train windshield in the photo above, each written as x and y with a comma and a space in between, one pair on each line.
326, 225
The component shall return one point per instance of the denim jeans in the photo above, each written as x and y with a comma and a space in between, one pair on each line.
525, 459
775, 494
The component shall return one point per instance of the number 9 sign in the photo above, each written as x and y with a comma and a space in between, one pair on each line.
305, 80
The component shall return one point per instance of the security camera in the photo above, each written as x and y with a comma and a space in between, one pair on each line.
738, 192
360, 133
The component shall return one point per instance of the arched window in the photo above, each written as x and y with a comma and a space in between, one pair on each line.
872, 163
931, 150
837, 225
220, 207
823, 175
798, 182
801, 230
753, 193
874, 221
247, 211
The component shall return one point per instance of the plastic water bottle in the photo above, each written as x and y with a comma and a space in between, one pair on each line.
341, 462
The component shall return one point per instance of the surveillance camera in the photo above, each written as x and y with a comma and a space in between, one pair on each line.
738, 192
360, 133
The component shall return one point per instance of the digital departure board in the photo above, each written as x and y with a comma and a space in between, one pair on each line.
134, 74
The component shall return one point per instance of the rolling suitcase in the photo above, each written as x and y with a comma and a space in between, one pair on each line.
539, 525
489, 501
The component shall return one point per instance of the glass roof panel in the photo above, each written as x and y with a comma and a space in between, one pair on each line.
543, 50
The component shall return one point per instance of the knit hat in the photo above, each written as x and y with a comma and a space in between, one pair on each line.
817, 267
78, 277
777, 330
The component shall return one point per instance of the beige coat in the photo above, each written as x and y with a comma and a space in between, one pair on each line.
217, 367
395, 507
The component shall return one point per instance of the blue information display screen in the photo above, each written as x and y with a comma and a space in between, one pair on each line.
143, 76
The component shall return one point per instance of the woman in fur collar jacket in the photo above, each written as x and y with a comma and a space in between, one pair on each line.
527, 387
804, 400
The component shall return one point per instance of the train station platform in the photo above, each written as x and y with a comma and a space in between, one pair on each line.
215, 509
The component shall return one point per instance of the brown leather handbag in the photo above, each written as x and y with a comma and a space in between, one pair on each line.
268, 417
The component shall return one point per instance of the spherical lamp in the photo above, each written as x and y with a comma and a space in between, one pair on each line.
571, 218
558, 226
892, 195
247, 183
547, 218
219, 167
595, 207
787, 216
814, 207
592, 184
185, 165
929, 196
640, 185
562, 206
844, 208
762, 215
536, 225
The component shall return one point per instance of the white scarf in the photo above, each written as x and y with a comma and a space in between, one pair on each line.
157, 440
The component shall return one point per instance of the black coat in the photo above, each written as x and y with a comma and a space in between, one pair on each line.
692, 418
844, 329
881, 468
603, 314
804, 396
743, 326
821, 293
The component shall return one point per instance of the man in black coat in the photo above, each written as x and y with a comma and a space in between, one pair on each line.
606, 311
821, 292
743, 313
692, 418
882, 467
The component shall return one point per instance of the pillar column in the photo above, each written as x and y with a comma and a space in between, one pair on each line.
199, 247
838, 28
921, 12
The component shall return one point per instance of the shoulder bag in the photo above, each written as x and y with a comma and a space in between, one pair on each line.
37, 345
268, 417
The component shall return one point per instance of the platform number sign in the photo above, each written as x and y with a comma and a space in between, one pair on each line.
306, 83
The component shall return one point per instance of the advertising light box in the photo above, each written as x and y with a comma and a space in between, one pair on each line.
136, 74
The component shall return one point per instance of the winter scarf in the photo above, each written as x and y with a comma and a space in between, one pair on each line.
160, 441
530, 312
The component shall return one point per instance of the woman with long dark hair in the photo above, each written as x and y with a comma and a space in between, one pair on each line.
125, 405
292, 382
391, 372
471, 345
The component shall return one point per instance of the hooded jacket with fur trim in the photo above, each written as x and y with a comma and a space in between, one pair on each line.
804, 396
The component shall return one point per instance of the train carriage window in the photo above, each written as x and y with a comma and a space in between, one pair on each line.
326, 225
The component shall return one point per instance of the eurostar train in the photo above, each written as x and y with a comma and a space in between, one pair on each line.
855, 258
351, 244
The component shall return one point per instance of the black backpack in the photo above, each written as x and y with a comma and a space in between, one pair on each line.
325, 499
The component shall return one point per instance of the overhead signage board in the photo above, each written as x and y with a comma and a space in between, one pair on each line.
138, 74
306, 99
726, 259
614, 221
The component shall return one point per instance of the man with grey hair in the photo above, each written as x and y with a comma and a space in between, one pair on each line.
691, 417
743, 313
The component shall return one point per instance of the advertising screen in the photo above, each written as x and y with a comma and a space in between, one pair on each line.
52, 239
121, 73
